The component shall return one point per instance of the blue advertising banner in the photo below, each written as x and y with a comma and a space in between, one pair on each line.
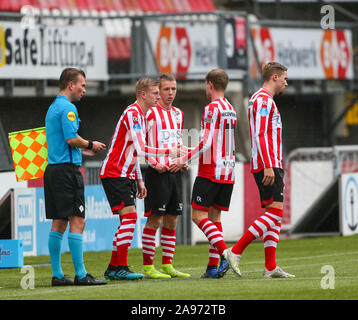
11, 253
32, 227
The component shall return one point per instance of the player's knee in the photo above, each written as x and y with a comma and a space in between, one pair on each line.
197, 216
153, 222
170, 221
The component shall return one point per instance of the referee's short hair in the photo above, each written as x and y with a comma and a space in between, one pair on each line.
219, 78
70, 75
143, 84
271, 68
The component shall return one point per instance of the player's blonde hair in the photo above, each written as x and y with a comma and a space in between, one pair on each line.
271, 68
143, 84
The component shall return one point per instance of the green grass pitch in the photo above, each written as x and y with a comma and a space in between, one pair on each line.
306, 258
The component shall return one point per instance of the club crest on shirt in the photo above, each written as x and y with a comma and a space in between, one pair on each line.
263, 112
137, 127
71, 116
177, 116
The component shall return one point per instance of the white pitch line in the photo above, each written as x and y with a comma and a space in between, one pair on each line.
307, 265
308, 257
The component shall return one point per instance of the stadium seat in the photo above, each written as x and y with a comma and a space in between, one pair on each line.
170, 6
73, 7
118, 6
209, 5
101, 5
82, 5
112, 51
63, 7
179, 6
146, 5
5, 5
10, 5
161, 6
194, 5
186, 5
129, 7
124, 52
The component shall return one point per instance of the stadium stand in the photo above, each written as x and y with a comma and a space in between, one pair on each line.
117, 30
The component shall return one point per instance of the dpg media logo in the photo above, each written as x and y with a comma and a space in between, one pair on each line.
173, 52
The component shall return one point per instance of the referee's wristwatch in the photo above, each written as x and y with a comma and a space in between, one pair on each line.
90, 145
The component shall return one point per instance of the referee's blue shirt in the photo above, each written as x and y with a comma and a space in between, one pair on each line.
62, 124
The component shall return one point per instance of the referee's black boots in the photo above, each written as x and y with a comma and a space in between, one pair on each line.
88, 280
64, 281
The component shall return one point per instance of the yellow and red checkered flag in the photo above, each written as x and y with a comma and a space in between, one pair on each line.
29, 153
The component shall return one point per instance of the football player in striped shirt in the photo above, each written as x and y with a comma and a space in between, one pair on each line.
266, 166
214, 184
164, 201
121, 175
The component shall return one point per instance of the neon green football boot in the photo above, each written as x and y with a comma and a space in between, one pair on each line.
169, 270
152, 273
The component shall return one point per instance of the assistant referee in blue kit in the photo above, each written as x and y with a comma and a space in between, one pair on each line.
63, 182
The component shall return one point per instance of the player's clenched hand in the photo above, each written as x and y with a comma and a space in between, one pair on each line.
269, 177
177, 162
142, 190
175, 167
161, 168
98, 146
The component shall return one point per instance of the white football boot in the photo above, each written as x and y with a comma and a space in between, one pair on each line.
277, 273
233, 259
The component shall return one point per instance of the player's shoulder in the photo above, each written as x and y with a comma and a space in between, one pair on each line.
131, 114
133, 110
261, 98
219, 105
212, 106
261, 94
151, 112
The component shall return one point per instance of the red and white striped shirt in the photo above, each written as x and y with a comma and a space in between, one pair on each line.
164, 130
128, 142
216, 148
265, 130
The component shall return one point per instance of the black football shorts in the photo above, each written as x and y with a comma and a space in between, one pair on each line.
64, 191
207, 193
121, 192
164, 193
269, 194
